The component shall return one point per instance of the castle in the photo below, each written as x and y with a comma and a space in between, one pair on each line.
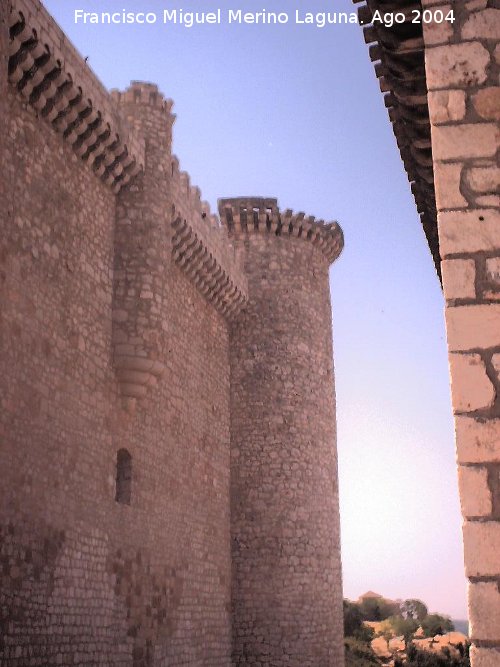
168, 416
167, 426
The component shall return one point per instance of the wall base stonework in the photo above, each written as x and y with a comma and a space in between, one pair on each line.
464, 102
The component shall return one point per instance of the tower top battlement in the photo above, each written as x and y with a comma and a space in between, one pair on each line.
145, 93
251, 215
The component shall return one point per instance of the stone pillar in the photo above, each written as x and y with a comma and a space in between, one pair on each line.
287, 589
143, 245
462, 67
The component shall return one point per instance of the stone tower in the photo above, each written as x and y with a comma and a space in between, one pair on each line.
287, 593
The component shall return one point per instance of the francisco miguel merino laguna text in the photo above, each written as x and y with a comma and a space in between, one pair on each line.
217, 17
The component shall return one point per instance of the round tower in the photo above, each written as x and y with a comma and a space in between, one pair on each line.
287, 588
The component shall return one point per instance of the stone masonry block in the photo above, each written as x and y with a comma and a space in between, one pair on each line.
493, 270
458, 278
485, 657
471, 388
469, 231
453, 142
496, 54
478, 441
495, 359
484, 611
456, 65
475, 495
446, 105
482, 548
438, 33
487, 103
447, 184
472, 327
483, 179
483, 25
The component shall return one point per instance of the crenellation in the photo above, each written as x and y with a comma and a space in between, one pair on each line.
137, 327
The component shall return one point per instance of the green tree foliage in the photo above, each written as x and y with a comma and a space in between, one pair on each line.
415, 609
405, 627
377, 609
353, 623
435, 624
359, 654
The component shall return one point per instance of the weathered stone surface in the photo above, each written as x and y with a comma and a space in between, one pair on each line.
485, 657
453, 142
487, 103
475, 495
488, 200
471, 388
458, 278
438, 32
484, 24
469, 231
472, 327
484, 611
447, 185
493, 269
478, 440
483, 179
456, 65
482, 548
446, 105
117, 453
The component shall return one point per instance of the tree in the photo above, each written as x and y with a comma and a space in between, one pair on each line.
403, 626
353, 623
435, 624
377, 609
413, 608
359, 654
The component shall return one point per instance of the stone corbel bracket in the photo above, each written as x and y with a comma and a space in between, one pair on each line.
221, 287
38, 70
258, 215
136, 374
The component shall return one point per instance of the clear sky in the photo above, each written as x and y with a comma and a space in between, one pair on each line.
295, 112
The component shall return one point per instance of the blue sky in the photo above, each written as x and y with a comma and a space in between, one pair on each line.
295, 112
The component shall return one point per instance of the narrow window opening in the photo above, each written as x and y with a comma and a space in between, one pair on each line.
123, 477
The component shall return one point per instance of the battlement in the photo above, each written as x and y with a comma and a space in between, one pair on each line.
57, 82
202, 248
251, 215
145, 93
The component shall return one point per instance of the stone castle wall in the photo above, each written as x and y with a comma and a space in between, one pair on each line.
120, 293
287, 598
463, 65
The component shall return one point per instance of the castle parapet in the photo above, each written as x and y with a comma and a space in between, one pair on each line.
252, 215
57, 82
201, 247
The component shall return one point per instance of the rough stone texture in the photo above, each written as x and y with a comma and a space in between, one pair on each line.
119, 301
469, 231
483, 25
487, 103
482, 548
484, 610
475, 495
284, 489
485, 657
456, 65
463, 330
448, 193
446, 105
483, 179
467, 140
477, 440
458, 278
464, 150
471, 388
